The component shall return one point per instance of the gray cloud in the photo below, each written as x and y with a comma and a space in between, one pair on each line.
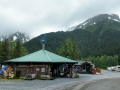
35, 17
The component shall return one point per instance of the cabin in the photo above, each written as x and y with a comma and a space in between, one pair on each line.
40, 63
83, 66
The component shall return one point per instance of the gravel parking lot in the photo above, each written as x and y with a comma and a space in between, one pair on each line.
57, 84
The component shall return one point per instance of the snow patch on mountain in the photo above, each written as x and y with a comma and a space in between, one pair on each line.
71, 28
84, 23
1, 39
23, 40
14, 38
17, 34
109, 18
80, 26
116, 20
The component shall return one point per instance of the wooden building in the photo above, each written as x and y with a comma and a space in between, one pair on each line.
83, 66
41, 62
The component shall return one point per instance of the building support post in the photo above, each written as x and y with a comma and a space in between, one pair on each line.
72, 67
15, 70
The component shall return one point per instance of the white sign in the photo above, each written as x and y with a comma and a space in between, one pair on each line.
42, 69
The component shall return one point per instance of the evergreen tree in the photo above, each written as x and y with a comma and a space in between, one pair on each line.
119, 58
69, 50
76, 52
19, 50
23, 51
104, 61
10, 50
4, 51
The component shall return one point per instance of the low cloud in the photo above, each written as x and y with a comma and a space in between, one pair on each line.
36, 17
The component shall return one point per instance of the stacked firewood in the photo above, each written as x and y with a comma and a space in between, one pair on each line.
45, 77
8, 73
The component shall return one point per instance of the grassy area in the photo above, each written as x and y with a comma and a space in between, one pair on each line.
11, 80
103, 68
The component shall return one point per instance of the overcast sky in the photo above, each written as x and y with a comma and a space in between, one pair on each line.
35, 17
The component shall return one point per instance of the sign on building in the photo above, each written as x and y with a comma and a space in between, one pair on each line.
42, 69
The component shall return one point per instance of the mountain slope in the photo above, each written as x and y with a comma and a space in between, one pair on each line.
102, 38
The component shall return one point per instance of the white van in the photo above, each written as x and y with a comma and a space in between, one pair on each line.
117, 68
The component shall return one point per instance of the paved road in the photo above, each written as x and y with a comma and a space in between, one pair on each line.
108, 79
105, 84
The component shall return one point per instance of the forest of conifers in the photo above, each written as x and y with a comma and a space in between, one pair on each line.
11, 49
102, 39
99, 44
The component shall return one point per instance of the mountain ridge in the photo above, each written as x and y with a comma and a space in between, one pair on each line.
94, 40
95, 20
15, 36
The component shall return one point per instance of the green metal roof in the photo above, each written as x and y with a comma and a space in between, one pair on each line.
42, 56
